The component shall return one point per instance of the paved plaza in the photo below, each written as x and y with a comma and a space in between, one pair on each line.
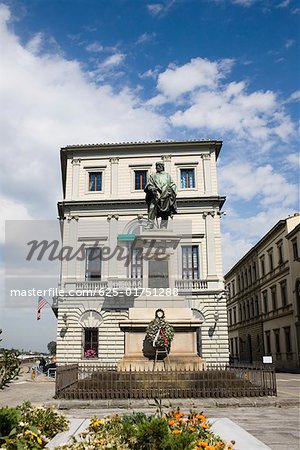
273, 420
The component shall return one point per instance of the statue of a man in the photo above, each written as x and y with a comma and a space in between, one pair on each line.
161, 194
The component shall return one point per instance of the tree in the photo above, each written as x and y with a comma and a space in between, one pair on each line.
52, 347
9, 366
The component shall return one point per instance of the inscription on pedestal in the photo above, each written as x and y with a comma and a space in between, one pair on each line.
158, 274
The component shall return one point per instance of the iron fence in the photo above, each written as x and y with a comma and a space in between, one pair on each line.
105, 382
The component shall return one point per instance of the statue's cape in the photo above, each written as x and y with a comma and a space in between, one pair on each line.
168, 192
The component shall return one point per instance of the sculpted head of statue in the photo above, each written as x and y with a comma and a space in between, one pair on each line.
160, 167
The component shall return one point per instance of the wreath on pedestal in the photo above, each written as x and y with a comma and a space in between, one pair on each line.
159, 332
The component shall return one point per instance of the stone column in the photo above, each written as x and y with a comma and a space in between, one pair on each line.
114, 166
75, 178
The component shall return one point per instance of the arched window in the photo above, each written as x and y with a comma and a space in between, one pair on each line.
90, 322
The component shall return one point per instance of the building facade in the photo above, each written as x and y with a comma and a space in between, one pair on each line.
102, 211
263, 299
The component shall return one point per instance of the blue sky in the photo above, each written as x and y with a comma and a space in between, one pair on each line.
85, 71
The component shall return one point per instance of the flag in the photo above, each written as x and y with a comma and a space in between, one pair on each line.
41, 303
156, 338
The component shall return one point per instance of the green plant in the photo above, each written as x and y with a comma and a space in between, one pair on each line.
172, 431
9, 367
47, 420
9, 419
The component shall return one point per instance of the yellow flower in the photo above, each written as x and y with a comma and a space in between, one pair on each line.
171, 422
192, 429
176, 431
204, 425
202, 444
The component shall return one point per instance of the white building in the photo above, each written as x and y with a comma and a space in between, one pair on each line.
103, 209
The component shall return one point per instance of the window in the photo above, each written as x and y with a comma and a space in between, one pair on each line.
233, 288
271, 265
93, 263
90, 345
250, 275
287, 335
277, 340
268, 342
280, 252
256, 306
254, 271
252, 308
295, 250
230, 317
236, 346
274, 297
140, 179
283, 293
234, 315
136, 263
95, 181
240, 313
187, 178
190, 262
239, 282
262, 266
265, 301
246, 278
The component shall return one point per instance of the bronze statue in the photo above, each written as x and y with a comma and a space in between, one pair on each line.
161, 192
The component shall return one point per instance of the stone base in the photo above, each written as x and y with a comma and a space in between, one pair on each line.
140, 354
184, 363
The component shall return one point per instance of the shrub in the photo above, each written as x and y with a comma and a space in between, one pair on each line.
47, 420
29, 427
9, 418
172, 431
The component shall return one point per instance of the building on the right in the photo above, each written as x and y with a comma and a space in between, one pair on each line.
264, 299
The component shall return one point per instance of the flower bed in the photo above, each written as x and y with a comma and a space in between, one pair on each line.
171, 431
29, 427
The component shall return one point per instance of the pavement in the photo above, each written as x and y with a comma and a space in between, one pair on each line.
275, 421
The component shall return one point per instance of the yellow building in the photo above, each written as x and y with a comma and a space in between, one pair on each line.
263, 299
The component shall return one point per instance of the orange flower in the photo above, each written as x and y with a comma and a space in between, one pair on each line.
204, 425
202, 444
192, 429
210, 447
171, 422
176, 431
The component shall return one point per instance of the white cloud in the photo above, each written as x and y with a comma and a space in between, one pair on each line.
243, 181
145, 37
245, 3
284, 4
289, 42
199, 72
95, 47
257, 116
155, 8
47, 102
294, 160
295, 96
242, 232
113, 60
11, 210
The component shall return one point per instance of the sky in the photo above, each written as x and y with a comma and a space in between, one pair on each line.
87, 71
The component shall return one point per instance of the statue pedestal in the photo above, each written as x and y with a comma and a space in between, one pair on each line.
140, 354
160, 270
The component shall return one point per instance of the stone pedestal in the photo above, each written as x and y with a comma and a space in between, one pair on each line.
158, 248
139, 354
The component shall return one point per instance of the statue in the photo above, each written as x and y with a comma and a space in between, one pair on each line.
161, 194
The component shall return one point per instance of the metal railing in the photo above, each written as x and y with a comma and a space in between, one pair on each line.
105, 382
196, 284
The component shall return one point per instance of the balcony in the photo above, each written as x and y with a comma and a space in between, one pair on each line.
191, 285
121, 284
